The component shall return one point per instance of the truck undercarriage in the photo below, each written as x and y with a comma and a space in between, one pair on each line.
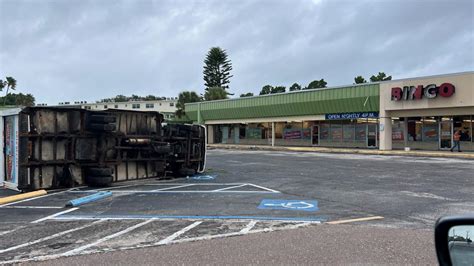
66, 147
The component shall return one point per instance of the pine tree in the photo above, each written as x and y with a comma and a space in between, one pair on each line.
217, 69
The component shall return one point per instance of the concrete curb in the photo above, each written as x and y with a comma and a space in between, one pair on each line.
22, 196
412, 153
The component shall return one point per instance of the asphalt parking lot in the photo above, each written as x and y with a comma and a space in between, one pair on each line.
242, 192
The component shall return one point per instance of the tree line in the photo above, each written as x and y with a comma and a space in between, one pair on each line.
9, 98
216, 75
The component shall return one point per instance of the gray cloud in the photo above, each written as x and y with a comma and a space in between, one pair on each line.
87, 50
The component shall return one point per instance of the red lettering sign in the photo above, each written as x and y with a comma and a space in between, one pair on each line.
396, 94
419, 92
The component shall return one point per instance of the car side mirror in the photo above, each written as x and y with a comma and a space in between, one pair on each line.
454, 240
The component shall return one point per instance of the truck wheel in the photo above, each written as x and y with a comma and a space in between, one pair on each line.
99, 181
99, 171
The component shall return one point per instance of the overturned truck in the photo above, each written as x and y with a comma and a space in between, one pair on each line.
47, 147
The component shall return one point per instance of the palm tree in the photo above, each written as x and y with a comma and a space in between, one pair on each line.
10, 84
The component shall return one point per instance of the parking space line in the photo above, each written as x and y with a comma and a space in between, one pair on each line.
177, 234
192, 239
168, 188
33, 207
81, 248
11, 231
54, 215
48, 237
190, 217
226, 188
183, 240
264, 188
356, 220
249, 227
182, 191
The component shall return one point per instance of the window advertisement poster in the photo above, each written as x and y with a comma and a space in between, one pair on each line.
397, 132
253, 133
430, 132
291, 133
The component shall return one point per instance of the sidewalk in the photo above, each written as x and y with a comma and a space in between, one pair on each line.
414, 153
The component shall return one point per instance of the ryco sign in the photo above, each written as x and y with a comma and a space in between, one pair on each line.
417, 93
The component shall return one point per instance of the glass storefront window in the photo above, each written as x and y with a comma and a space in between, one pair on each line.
360, 130
348, 131
414, 129
464, 124
324, 131
336, 131
430, 129
398, 129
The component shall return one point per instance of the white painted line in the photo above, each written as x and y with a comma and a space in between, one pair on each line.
168, 188
370, 218
48, 237
33, 207
115, 218
238, 233
226, 188
54, 215
79, 249
11, 231
177, 234
265, 188
186, 191
56, 256
249, 227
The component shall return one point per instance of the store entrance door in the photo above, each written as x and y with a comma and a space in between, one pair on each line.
371, 135
446, 134
315, 136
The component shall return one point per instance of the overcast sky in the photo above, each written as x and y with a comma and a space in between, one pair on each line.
87, 50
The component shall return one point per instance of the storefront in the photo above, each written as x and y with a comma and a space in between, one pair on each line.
420, 113
424, 113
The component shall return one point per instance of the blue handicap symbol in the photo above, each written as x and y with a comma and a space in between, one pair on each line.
293, 205
203, 177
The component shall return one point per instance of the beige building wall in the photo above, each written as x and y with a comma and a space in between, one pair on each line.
460, 103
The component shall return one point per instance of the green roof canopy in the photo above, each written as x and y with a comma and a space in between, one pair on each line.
357, 98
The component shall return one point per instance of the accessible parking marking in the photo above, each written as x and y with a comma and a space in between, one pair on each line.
294, 205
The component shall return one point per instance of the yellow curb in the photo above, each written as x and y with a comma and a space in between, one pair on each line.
22, 196
356, 220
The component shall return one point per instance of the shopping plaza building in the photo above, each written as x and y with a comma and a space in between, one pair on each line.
416, 113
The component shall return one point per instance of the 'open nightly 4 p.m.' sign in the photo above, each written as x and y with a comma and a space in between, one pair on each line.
352, 115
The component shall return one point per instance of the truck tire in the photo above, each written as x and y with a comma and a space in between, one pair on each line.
99, 171
103, 119
99, 181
